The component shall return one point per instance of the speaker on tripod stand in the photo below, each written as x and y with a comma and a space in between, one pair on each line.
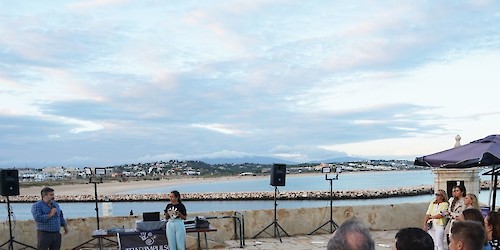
9, 186
278, 174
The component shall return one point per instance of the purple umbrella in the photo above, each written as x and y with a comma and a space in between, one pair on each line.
482, 152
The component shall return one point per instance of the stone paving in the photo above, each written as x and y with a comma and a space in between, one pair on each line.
384, 240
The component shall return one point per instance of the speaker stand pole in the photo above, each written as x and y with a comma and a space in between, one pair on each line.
275, 223
333, 225
11, 240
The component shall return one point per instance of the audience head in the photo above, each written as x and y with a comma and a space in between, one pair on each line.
459, 191
351, 235
492, 225
441, 196
471, 201
413, 238
471, 214
467, 235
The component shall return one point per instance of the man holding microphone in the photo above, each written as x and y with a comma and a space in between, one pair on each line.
49, 219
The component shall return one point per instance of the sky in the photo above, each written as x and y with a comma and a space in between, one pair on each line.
108, 82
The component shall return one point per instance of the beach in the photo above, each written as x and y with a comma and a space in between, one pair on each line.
110, 187
115, 187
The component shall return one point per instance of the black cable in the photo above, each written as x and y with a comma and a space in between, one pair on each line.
12, 217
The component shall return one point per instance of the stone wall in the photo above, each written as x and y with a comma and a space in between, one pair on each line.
288, 195
294, 222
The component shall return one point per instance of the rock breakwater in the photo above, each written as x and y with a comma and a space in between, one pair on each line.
290, 195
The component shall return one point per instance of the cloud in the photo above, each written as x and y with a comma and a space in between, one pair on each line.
98, 82
221, 128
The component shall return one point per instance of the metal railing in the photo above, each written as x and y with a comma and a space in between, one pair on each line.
239, 225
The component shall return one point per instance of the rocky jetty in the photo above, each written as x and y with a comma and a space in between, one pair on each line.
291, 195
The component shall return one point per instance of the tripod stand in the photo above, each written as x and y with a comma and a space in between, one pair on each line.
95, 181
333, 225
277, 226
11, 240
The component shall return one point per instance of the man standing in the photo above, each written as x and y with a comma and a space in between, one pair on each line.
48, 219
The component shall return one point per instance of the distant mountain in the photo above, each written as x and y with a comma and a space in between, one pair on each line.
246, 159
341, 159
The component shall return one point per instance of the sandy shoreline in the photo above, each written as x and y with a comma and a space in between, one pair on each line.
115, 187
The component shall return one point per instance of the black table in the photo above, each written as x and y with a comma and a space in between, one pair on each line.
104, 234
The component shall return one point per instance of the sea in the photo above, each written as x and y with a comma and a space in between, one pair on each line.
294, 182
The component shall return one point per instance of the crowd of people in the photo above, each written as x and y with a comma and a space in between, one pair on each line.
458, 219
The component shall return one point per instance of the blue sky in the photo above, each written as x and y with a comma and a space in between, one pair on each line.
89, 83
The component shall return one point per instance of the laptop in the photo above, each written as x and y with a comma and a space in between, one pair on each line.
151, 216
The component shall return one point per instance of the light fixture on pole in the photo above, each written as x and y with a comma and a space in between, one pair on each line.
95, 177
326, 171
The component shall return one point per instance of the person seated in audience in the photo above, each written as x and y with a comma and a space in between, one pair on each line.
467, 235
412, 238
492, 225
351, 235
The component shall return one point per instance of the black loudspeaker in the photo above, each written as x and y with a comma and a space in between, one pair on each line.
278, 174
9, 182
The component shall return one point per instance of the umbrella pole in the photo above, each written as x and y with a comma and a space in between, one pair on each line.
494, 193
493, 189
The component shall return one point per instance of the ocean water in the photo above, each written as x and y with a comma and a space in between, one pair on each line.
298, 182
347, 181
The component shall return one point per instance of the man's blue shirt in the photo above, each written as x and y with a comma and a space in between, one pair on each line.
41, 210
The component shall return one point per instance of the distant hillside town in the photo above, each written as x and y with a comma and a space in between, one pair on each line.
173, 168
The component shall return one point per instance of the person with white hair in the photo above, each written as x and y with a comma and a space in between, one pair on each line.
351, 235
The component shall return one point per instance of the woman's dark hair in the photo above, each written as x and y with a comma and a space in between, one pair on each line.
473, 214
463, 189
177, 195
494, 221
412, 238
455, 199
